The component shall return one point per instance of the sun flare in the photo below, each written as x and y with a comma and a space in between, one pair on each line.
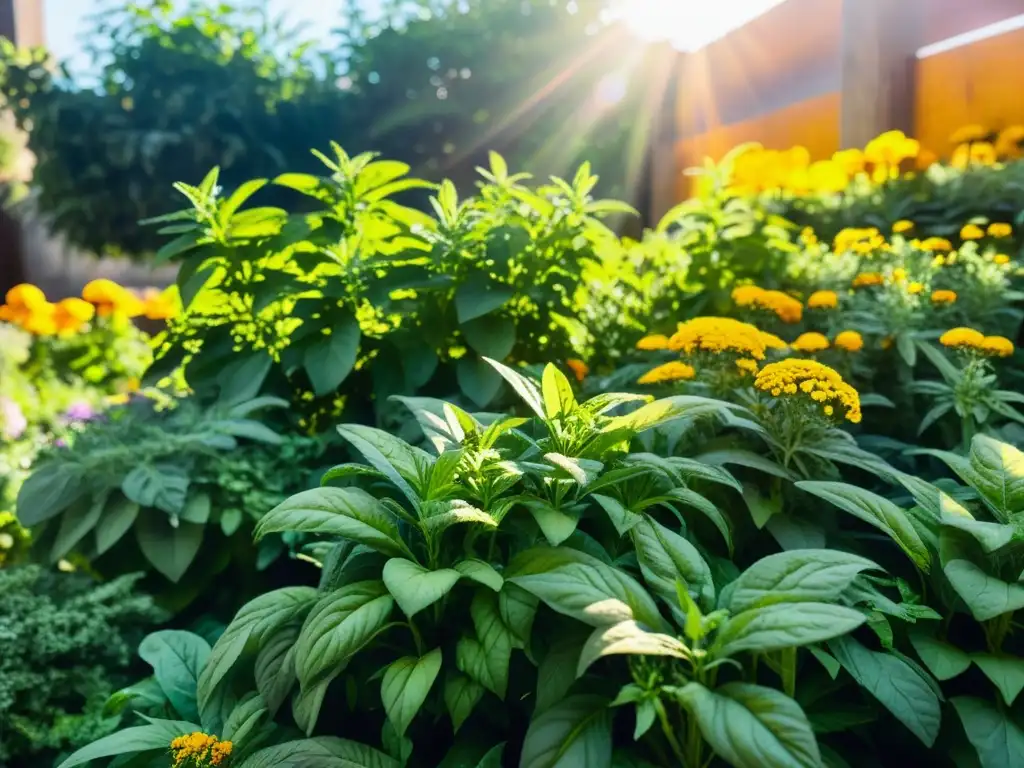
687, 24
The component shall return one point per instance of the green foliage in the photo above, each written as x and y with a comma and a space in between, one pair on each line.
65, 643
166, 488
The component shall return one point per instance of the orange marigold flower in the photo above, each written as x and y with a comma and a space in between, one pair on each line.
936, 244
943, 296
672, 371
997, 346
71, 314
962, 337
865, 279
653, 343
851, 341
1000, 229
810, 342
112, 299
971, 232
41, 320
578, 368
823, 300
23, 300
159, 305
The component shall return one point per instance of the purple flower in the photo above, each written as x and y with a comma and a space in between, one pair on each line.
79, 411
12, 421
60, 442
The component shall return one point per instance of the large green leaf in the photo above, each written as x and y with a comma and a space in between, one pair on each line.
177, 658
628, 638
784, 625
157, 735
518, 609
795, 576
556, 390
341, 623
275, 668
319, 752
523, 386
256, 622
477, 380
415, 587
998, 740
406, 684
118, 517
557, 670
329, 360
667, 558
943, 660
877, 511
991, 536
75, 524
1005, 672
170, 549
479, 296
48, 491
985, 596
351, 513
485, 657
896, 684
491, 335
575, 733
461, 695
999, 468
405, 465
583, 587
751, 726
244, 719
480, 572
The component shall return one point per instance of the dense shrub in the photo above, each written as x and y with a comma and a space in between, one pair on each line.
66, 643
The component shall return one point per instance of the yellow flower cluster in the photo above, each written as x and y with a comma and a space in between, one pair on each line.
934, 244
771, 341
971, 232
27, 306
746, 365
859, 240
968, 338
901, 226
653, 343
716, 335
995, 229
823, 300
672, 371
785, 307
199, 750
824, 385
758, 169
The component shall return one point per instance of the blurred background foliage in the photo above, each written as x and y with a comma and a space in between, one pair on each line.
434, 83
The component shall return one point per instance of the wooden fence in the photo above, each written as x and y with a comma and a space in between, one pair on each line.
832, 74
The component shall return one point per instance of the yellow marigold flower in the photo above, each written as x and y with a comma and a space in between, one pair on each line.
112, 299
718, 334
943, 296
983, 153
891, 148
23, 301
851, 341
857, 239
822, 384
672, 371
578, 367
865, 279
159, 305
915, 288
1000, 229
745, 295
1001, 258
899, 275
936, 244
962, 337
968, 133
823, 300
771, 341
71, 314
903, 225
41, 320
997, 346
746, 365
971, 232
827, 176
851, 160
653, 343
1008, 143
939, 261
785, 307
810, 342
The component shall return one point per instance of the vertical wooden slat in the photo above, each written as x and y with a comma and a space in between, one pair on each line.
879, 41
664, 136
